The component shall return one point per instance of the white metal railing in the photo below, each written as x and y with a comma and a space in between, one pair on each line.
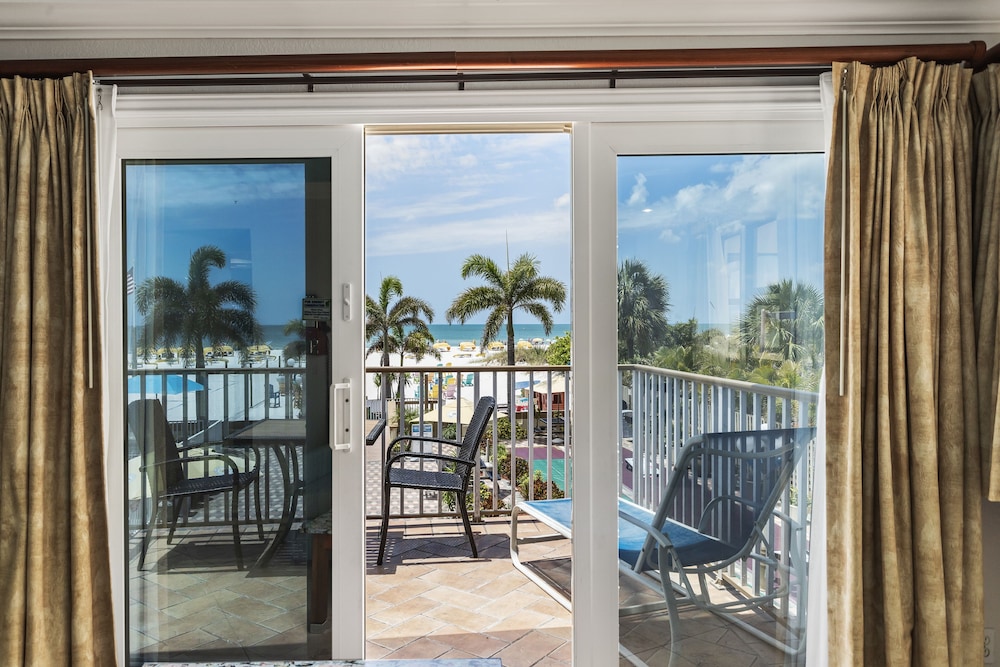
225, 400
439, 400
663, 408
660, 409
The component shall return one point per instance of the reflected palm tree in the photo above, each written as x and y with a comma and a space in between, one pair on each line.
643, 302
784, 322
199, 313
295, 348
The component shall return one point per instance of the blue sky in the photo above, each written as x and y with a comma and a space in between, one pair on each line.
717, 227
720, 228
255, 212
433, 200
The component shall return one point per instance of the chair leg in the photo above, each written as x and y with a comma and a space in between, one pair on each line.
147, 534
465, 520
175, 507
256, 502
236, 527
384, 530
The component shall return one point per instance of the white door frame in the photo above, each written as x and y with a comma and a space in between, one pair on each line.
344, 146
606, 123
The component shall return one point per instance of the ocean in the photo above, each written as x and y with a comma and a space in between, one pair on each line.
453, 333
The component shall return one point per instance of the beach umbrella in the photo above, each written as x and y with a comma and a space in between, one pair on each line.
175, 384
557, 386
449, 412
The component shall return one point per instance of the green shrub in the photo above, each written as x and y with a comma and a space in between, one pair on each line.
541, 487
485, 498
503, 465
503, 431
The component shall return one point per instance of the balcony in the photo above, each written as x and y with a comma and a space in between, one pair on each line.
427, 572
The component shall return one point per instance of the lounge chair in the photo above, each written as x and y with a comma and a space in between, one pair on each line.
437, 475
723, 491
165, 465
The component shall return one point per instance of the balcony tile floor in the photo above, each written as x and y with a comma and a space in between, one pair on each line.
429, 600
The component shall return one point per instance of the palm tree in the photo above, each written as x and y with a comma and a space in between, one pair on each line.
392, 319
518, 288
784, 321
296, 347
199, 313
643, 302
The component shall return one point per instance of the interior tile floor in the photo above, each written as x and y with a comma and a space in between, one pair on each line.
429, 600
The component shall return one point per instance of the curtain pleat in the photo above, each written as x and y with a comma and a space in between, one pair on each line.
986, 216
55, 584
903, 469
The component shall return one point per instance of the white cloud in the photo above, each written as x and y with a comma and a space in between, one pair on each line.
213, 184
754, 189
466, 236
639, 192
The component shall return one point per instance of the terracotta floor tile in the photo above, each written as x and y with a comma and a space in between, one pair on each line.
430, 599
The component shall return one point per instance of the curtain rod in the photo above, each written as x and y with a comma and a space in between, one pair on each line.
773, 60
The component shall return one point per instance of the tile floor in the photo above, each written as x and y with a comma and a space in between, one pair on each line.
429, 600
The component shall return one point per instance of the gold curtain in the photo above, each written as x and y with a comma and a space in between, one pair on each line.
903, 468
55, 582
986, 223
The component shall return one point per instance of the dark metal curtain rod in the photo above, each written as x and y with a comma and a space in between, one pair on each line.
594, 64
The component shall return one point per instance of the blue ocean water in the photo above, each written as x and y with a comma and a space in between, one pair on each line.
453, 333
456, 333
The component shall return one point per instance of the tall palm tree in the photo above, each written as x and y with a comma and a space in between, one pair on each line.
199, 313
784, 320
518, 288
392, 318
643, 302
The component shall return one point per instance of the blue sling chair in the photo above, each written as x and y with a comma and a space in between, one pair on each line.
723, 491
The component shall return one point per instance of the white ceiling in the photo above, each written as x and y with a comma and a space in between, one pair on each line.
845, 21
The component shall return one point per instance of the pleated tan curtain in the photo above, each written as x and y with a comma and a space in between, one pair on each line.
55, 592
903, 467
986, 223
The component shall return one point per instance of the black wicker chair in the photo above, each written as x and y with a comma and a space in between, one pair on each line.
441, 477
165, 465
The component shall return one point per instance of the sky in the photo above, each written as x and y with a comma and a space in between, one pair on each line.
431, 201
719, 228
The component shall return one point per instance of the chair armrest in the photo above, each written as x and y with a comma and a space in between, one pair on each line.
423, 455
661, 540
426, 438
375, 432
230, 463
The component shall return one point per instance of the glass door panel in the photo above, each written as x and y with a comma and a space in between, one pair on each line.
720, 283
228, 370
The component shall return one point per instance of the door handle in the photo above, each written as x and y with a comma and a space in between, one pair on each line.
340, 416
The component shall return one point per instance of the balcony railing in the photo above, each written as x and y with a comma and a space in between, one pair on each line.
663, 408
659, 410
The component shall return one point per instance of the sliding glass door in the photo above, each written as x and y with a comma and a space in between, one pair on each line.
719, 297
243, 317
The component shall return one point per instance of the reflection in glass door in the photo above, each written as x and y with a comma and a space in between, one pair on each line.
720, 283
227, 407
